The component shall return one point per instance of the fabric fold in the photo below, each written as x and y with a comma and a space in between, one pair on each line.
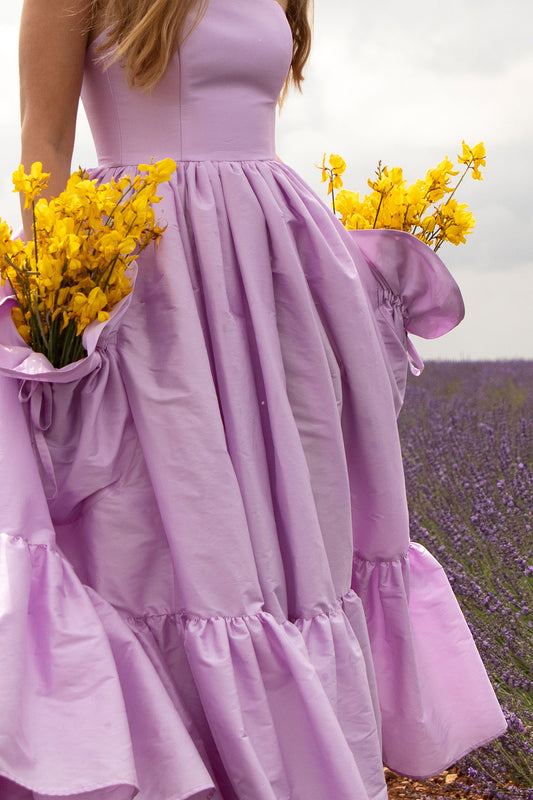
83, 709
427, 665
72, 724
58, 680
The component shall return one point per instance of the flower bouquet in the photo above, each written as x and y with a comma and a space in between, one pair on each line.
77, 266
428, 208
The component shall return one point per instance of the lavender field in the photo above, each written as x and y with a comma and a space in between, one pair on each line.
467, 437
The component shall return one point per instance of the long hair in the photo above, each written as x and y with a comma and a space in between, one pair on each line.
143, 35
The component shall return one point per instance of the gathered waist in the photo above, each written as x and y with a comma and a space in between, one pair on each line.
105, 163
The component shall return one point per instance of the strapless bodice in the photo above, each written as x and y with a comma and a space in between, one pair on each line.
217, 100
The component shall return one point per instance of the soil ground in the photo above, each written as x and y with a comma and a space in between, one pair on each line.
442, 787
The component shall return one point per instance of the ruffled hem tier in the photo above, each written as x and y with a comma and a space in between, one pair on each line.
436, 700
177, 706
83, 712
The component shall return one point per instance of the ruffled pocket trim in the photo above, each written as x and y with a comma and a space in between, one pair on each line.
18, 360
410, 291
431, 300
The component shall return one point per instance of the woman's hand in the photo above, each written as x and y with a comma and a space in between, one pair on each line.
53, 40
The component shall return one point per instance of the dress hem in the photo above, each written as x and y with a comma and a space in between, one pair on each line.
448, 764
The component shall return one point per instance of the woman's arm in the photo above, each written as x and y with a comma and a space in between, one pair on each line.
53, 40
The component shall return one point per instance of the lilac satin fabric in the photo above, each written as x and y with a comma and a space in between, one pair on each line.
207, 588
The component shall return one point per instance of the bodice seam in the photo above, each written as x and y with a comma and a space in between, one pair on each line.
270, 159
115, 111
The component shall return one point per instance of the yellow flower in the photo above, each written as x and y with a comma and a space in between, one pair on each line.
333, 173
395, 174
474, 154
86, 308
346, 202
49, 273
428, 224
73, 269
110, 244
161, 171
474, 158
382, 185
455, 221
415, 194
420, 208
325, 174
21, 323
338, 165
30, 184
5, 234
62, 295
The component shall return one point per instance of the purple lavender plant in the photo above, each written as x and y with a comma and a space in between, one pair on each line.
468, 451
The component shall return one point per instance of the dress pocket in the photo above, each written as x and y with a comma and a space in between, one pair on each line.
410, 291
54, 399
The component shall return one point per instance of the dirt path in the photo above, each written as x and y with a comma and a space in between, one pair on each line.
438, 788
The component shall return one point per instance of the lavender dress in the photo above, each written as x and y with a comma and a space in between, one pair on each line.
207, 585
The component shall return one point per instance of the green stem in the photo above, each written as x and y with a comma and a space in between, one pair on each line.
107, 274
36, 343
19, 270
459, 182
55, 339
78, 349
74, 346
111, 266
34, 225
123, 197
378, 209
36, 315
65, 345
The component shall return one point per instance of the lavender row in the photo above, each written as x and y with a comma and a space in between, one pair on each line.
467, 440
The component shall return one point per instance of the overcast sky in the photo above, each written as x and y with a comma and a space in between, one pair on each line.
404, 83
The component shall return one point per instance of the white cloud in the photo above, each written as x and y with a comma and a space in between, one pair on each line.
404, 83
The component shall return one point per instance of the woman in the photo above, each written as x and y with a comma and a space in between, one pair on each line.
210, 586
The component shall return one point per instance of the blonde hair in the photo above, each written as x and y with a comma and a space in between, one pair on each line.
143, 35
